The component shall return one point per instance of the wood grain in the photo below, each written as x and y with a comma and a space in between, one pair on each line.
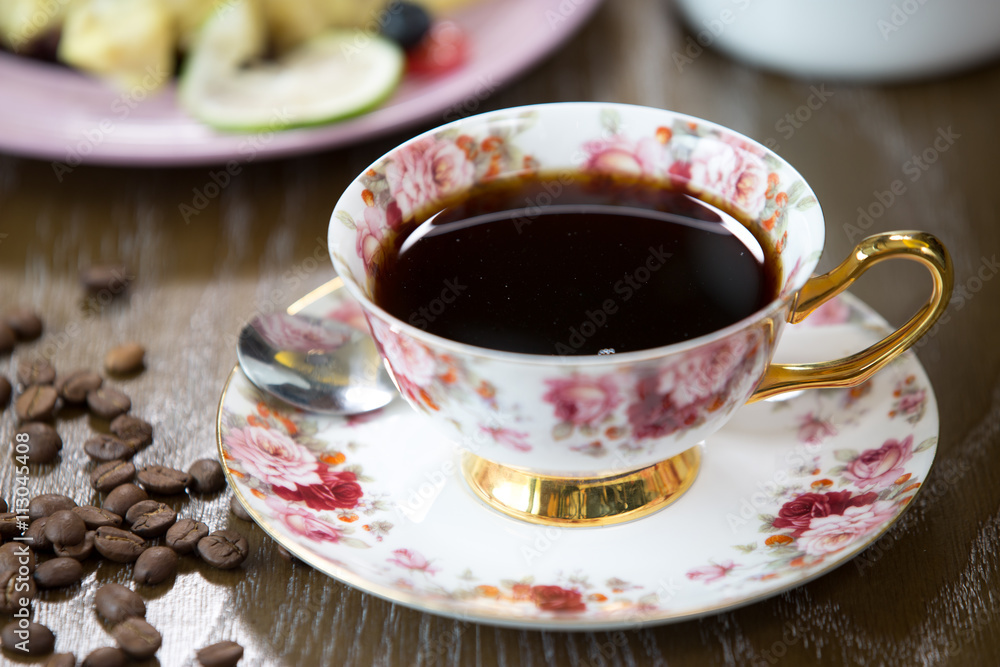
926, 594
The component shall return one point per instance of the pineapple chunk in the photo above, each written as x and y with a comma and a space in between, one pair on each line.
188, 17
24, 21
293, 22
128, 41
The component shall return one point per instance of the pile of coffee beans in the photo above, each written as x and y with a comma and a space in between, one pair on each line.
129, 526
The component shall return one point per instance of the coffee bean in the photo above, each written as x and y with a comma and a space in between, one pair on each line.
164, 480
8, 339
125, 359
118, 545
183, 536
206, 476
108, 403
79, 551
8, 526
287, 555
224, 549
133, 431
150, 518
65, 527
39, 640
15, 554
36, 535
74, 387
123, 497
95, 517
107, 476
43, 442
107, 656
103, 447
35, 371
37, 403
61, 660
116, 603
46, 504
221, 654
110, 278
58, 572
137, 638
5, 392
26, 323
238, 510
17, 590
155, 565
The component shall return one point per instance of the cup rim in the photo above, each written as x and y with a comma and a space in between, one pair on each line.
783, 300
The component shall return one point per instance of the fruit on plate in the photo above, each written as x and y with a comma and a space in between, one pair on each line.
339, 73
24, 21
128, 41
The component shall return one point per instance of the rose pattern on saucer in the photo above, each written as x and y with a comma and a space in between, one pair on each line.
273, 449
826, 510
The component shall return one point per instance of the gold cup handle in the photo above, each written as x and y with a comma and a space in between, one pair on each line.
857, 368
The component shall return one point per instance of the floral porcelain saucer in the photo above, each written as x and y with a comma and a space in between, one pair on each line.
788, 490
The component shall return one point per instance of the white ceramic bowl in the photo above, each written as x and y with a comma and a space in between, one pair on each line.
863, 40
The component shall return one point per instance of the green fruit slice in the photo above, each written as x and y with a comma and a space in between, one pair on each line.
338, 74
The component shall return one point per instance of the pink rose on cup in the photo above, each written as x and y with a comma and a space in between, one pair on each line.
834, 532
411, 560
304, 523
427, 171
711, 572
272, 457
800, 512
732, 172
705, 374
582, 399
880, 467
411, 362
372, 229
292, 333
336, 490
911, 402
620, 155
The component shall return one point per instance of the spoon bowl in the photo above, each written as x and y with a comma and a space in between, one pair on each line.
316, 364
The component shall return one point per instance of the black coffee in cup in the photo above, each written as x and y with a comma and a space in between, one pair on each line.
560, 264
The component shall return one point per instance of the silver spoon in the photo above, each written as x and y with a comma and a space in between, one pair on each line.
316, 364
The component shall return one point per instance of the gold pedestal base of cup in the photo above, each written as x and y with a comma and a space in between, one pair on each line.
588, 501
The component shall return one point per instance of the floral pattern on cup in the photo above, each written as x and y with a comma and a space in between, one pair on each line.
637, 414
310, 489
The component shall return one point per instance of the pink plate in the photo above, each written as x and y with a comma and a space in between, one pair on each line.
56, 113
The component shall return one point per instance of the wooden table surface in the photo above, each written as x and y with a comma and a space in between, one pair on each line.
929, 596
